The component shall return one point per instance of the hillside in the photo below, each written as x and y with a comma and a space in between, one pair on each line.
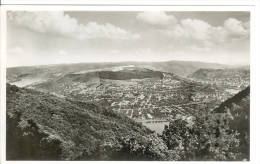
232, 80
41, 126
222, 76
205, 74
238, 107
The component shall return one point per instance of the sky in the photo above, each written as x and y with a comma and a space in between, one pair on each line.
40, 38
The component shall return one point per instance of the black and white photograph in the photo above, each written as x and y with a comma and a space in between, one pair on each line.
146, 85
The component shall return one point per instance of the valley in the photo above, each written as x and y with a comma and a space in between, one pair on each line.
141, 93
147, 95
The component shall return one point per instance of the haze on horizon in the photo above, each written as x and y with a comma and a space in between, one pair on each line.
42, 38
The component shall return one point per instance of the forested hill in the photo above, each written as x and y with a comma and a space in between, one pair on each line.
238, 99
238, 107
41, 126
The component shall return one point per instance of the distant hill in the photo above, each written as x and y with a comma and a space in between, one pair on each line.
232, 80
238, 107
41, 126
208, 74
125, 73
181, 68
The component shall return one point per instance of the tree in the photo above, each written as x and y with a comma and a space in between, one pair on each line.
207, 136
148, 147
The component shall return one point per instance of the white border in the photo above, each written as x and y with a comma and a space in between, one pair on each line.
125, 8
2, 84
131, 2
254, 48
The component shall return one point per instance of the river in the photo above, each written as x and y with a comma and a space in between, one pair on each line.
155, 125
26, 82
